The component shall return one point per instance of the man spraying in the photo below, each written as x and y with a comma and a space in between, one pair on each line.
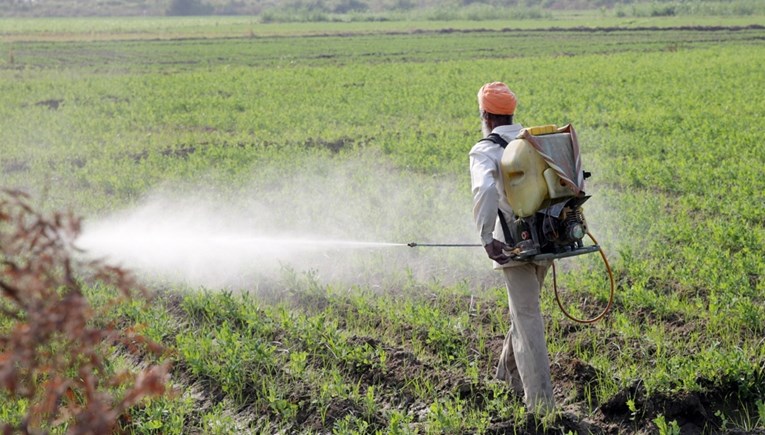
524, 362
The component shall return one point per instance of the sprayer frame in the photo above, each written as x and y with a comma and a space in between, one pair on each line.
554, 256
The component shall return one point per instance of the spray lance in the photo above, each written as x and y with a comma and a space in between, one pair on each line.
442, 245
544, 184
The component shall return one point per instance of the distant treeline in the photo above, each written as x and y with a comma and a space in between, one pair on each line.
378, 10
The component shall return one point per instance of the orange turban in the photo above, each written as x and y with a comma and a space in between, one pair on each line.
496, 98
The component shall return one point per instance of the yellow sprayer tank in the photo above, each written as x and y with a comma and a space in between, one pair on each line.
530, 183
523, 171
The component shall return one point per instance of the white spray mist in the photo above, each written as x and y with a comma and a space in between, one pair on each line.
343, 220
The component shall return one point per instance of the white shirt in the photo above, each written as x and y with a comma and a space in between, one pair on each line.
487, 185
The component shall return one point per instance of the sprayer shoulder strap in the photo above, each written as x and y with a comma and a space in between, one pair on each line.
505, 228
497, 139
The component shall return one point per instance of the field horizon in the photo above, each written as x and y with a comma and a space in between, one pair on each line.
339, 11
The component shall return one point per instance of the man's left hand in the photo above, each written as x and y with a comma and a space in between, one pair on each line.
496, 249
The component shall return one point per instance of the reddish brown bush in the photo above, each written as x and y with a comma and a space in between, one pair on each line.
53, 352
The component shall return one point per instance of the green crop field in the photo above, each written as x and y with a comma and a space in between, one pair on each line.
376, 119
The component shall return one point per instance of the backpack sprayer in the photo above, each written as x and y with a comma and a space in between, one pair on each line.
544, 184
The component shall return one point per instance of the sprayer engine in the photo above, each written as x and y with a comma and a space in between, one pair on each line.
553, 232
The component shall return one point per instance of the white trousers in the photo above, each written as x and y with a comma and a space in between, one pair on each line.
524, 362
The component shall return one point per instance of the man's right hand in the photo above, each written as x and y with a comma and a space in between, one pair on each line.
495, 251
